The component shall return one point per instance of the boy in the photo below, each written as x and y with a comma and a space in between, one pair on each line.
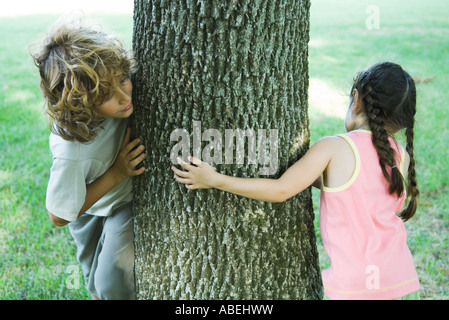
84, 79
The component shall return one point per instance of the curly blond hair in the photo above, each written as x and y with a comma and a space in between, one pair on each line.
80, 68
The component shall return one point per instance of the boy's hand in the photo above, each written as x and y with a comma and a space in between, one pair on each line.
129, 158
200, 175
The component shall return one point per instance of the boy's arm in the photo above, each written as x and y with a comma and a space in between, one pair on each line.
124, 166
94, 192
298, 177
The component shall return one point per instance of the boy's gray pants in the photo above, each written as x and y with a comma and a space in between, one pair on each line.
106, 253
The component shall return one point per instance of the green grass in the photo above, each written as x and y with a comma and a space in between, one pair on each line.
37, 260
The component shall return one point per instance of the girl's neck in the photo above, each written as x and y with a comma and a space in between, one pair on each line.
363, 126
390, 131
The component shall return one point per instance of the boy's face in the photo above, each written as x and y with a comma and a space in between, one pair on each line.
120, 104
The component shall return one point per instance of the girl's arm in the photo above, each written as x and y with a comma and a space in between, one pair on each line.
124, 166
302, 174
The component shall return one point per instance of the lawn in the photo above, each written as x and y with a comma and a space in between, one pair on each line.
37, 260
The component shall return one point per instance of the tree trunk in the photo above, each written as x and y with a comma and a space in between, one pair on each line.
210, 72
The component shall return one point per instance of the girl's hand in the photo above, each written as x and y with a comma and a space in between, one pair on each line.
200, 175
129, 157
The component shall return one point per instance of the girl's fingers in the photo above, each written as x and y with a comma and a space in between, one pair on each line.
182, 180
195, 161
180, 173
185, 165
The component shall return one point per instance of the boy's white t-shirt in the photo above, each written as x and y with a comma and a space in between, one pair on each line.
75, 164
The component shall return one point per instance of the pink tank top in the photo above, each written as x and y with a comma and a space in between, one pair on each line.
362, 235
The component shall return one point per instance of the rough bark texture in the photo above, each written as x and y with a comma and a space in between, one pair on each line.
231, 65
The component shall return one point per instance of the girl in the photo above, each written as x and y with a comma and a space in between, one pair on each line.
361, 176
84, 79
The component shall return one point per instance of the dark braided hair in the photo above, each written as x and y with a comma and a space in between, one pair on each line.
389, 99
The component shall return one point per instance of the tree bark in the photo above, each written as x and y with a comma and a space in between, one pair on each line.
223, 65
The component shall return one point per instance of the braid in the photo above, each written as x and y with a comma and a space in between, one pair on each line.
381, 143
412, 189
389, 99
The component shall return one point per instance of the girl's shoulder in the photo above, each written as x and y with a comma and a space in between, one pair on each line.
334, 148
350, 144
335, 142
